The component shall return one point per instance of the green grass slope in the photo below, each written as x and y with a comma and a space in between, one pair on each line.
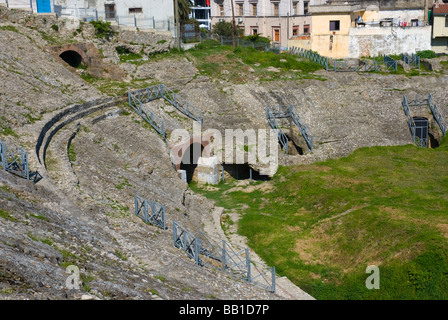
321, 225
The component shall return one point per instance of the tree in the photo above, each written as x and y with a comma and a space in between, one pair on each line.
225, 29
184, 9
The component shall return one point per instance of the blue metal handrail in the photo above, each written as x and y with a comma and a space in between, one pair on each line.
138, 98
282, 138
207, 251
273, 113
437, 115
15, 160
157, 216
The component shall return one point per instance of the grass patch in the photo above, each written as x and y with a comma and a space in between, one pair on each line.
6, 215
322, 224
9, 28
71, 152
245, 64
124, 183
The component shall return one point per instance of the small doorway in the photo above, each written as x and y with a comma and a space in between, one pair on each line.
421, 131
276, 34
43, 6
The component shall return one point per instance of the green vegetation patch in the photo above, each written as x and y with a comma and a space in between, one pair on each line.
322, 224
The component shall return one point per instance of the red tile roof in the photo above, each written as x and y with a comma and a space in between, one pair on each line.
440, 9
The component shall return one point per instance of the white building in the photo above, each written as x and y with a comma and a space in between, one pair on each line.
277, 19
201, 12
144, 14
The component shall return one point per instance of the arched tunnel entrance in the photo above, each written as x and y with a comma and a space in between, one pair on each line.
243, 172
190, 159
426, 132
72, 58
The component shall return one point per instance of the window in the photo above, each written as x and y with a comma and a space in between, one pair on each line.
295, 31
221, 10
295, 8
334, 25
109, 11
254, 9
253, 31
135, 10
275, 7
446, 22
240, 9
306, 29
306, 7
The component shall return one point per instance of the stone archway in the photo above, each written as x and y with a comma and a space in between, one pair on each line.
74, 54
192, 155
73, 58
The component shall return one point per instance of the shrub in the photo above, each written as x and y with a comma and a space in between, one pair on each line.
225, 29
257, 39
426, 54
55, 27
103, 29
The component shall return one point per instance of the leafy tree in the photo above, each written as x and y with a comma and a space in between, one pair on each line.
184, 9
225, 29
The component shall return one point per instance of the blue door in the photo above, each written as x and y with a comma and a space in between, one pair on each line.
43, 6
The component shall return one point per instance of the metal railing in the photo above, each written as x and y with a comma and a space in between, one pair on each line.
219, 254
313, 56
130, 20
137, 99
411, 60
419, 141
181, 104
390, 63
278, 112
302, 127
14, 159
157, 216
282, 138
437, 115
337, 65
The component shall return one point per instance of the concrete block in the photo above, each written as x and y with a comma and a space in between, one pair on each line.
207, 170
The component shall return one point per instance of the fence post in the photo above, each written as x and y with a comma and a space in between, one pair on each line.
3, 154
196, 250
273, 279
249, 277
174, 232
223, 255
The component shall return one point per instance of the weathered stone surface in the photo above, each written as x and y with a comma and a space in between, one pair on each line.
82, 212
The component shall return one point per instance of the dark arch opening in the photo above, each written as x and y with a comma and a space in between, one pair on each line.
190, 159
293, 147
71, 57
242, 172
434, 143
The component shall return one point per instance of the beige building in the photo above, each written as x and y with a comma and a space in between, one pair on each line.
278, 20
352, 29
440, 28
